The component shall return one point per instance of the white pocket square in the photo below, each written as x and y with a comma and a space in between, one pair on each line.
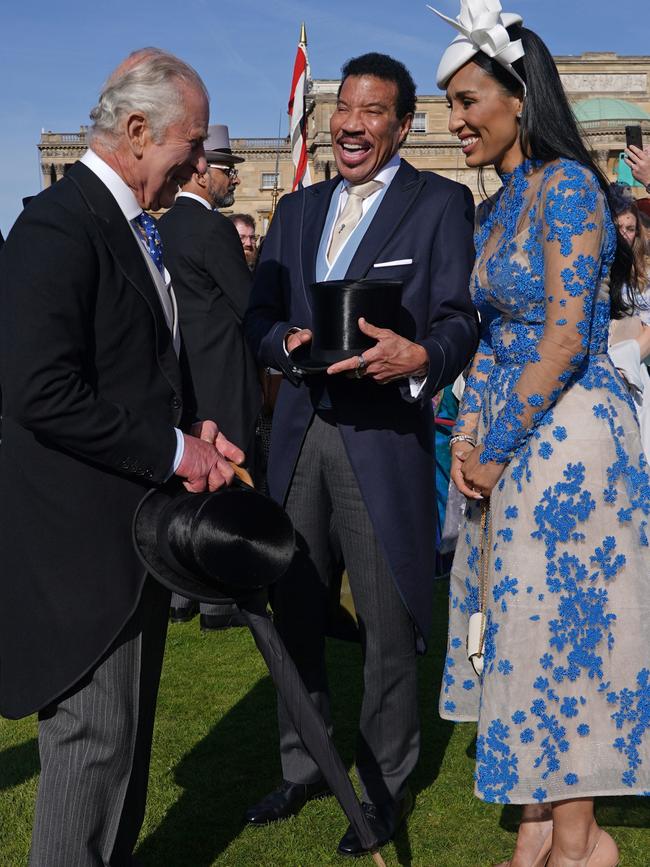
394, 262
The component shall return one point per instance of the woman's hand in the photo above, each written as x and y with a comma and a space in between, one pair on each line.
639, 161
459, 453
480, 478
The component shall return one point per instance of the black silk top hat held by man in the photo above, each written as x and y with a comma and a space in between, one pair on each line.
336, 307
213, 546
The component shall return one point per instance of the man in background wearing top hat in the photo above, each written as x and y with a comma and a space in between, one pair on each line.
212, 286
354, 447
94, 405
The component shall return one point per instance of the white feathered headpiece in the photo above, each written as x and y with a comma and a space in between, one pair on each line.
481, 25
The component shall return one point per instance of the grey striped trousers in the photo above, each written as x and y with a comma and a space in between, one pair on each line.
324, 497
95, 744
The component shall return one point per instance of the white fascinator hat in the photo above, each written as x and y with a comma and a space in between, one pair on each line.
481, 26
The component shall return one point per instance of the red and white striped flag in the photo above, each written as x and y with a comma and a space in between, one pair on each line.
298, 115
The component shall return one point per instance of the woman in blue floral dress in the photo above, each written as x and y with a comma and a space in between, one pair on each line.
547, 432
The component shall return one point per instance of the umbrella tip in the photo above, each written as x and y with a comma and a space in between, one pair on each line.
376, 857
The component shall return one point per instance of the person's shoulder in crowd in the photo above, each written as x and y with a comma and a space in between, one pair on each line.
195, 221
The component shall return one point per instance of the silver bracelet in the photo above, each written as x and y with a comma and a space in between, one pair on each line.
461, 438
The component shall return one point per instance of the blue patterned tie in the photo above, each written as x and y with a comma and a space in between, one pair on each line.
147, 228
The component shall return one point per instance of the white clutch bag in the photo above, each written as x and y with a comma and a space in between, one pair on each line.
475, 637
478, 620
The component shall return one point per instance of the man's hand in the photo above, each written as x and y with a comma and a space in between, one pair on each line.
480, 478
639, 161
393, 357
296, 338
205, 462
210, 433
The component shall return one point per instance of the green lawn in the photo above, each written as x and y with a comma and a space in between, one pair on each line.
215, 753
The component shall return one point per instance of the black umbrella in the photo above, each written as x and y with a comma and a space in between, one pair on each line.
231, 543
309, 723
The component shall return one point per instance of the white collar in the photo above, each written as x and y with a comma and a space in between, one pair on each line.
196, 198
116, 185
386, 174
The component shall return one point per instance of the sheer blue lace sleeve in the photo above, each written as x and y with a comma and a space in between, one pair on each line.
470, 407
571, 232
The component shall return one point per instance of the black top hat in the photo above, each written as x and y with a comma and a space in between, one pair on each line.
336, 308
213, 546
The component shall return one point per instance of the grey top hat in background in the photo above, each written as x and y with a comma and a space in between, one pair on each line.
217, 146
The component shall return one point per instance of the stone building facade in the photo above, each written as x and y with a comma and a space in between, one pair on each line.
607, 91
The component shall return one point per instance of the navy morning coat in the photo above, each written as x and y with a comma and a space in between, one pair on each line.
425, 224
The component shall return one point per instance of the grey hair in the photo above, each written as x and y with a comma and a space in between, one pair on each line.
150, 81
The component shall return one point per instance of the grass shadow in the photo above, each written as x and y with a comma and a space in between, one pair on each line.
436, 732
237, 762
19, 764
221, 776
623, 812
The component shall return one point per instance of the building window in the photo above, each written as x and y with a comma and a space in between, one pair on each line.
268, 180
419, 122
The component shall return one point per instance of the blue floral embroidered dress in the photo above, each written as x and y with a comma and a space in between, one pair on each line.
564, 702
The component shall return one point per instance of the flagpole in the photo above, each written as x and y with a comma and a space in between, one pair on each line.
274, 194
298, 113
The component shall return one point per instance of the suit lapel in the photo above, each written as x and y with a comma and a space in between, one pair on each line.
124, 247
395, 205
314, 209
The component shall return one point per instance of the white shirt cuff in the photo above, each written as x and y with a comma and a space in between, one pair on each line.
180, 450
416, 384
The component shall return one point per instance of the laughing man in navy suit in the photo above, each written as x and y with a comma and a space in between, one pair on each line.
354, 447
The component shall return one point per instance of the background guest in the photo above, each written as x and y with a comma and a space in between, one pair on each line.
245, 225
212, 287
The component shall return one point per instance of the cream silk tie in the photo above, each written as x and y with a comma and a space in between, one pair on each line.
350, 216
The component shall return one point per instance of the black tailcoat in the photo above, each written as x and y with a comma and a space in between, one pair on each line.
212, 284
387, 433
92, 390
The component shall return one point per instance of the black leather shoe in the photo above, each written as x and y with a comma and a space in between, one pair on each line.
385, 821
184, 614
286, 801
210, 622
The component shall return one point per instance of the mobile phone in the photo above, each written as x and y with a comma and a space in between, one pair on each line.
633, 136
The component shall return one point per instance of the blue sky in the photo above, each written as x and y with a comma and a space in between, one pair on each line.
54, 57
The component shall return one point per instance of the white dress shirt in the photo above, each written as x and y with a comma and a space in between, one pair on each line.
385, 176
129, 206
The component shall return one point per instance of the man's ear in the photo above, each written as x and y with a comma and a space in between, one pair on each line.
201, 180
405, 127
137, 133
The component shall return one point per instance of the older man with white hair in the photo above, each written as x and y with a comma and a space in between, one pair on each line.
94, 414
